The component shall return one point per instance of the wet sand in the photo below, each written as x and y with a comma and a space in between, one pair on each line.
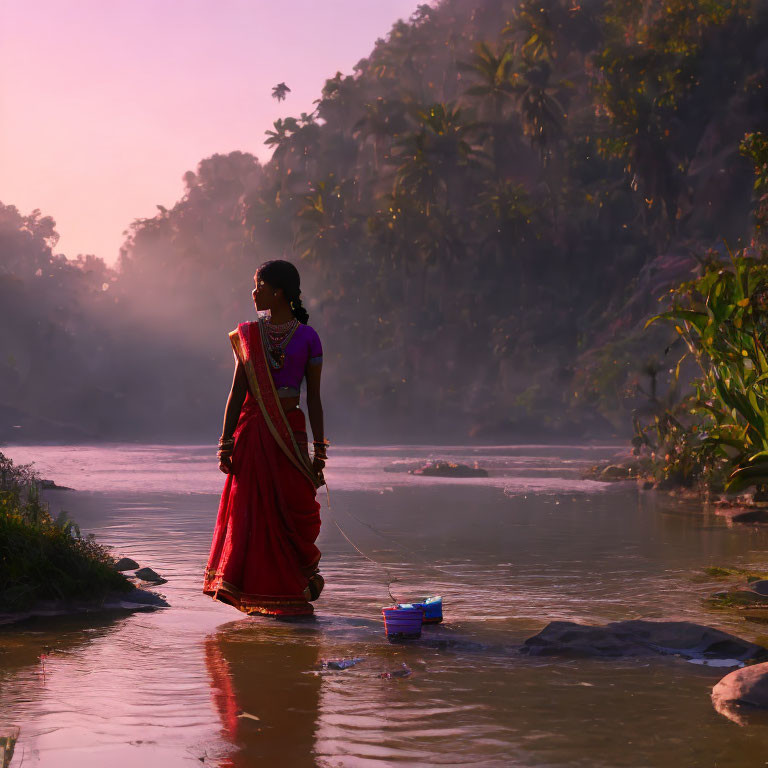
198, 684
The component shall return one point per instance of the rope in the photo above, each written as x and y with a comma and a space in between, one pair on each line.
442, 570
390, 578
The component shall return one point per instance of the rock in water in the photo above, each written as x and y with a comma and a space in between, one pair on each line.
641, 638
126, 564
147, 574
144, 597
751, 516
448, 469
341, 663
742, 695
615, 472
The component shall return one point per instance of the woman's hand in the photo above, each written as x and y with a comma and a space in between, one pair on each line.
318, 465
225, 464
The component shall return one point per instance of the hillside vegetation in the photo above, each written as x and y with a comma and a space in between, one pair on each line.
485, 212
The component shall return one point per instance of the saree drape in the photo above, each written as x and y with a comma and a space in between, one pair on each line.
263, 550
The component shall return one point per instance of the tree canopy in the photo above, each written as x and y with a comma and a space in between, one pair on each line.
484, 212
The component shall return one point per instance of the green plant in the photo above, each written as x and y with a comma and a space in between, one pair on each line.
46, 558
722, 321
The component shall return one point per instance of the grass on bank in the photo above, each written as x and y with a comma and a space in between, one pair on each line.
42, 558
718, 572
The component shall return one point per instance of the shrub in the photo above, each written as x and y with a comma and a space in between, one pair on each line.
42, 558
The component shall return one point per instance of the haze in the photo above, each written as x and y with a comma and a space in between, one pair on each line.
104, 106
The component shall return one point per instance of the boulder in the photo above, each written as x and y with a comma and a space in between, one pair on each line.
448, 469
126, 564
143, 597
147, 574
615, 472
641, 638
750, 516
742, 695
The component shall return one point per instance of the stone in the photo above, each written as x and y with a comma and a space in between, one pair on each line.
147, 574
126, 564
641, 638
742, 695
448, 469
143, 597
751, 516
614, 472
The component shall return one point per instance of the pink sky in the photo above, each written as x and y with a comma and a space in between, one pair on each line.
104, 104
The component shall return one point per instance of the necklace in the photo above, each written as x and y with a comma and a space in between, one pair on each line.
278, 327
276, 339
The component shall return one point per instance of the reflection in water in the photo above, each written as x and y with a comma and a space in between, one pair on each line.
183, 686
266, 690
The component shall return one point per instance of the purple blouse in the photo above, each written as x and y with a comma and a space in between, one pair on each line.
303, 349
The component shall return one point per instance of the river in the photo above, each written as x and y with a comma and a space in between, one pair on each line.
199, 684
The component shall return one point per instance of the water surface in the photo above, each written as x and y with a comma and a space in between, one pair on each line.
198, 684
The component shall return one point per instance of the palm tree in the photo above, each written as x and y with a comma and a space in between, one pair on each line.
383, 119
533, 24
543, 115
280, 91
324, 222
279, 138
494, 87
304, 141
429, 160
339, 97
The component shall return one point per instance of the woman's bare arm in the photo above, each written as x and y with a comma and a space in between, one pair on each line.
315, 408
232, 411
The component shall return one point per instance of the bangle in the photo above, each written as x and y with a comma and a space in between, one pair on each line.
321, 442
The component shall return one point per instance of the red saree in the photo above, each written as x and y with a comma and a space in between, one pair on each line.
263, 550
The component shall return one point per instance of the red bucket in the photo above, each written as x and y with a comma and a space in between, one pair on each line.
403, 622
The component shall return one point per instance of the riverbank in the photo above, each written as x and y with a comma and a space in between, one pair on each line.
47, 566
531, 544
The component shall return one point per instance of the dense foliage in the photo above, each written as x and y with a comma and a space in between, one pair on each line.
485, 212
721, 428
42, 558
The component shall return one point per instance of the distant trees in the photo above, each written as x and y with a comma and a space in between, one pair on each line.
474, 203
483, 212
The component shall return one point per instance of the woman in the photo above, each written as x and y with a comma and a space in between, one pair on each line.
263, 556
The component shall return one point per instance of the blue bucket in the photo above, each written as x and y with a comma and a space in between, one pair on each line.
403, 621
433, 609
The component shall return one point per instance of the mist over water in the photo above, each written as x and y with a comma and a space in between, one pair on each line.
193, 469
479, 251
485, 211
530, 544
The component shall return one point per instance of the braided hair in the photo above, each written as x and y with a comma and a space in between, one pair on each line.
282, 274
